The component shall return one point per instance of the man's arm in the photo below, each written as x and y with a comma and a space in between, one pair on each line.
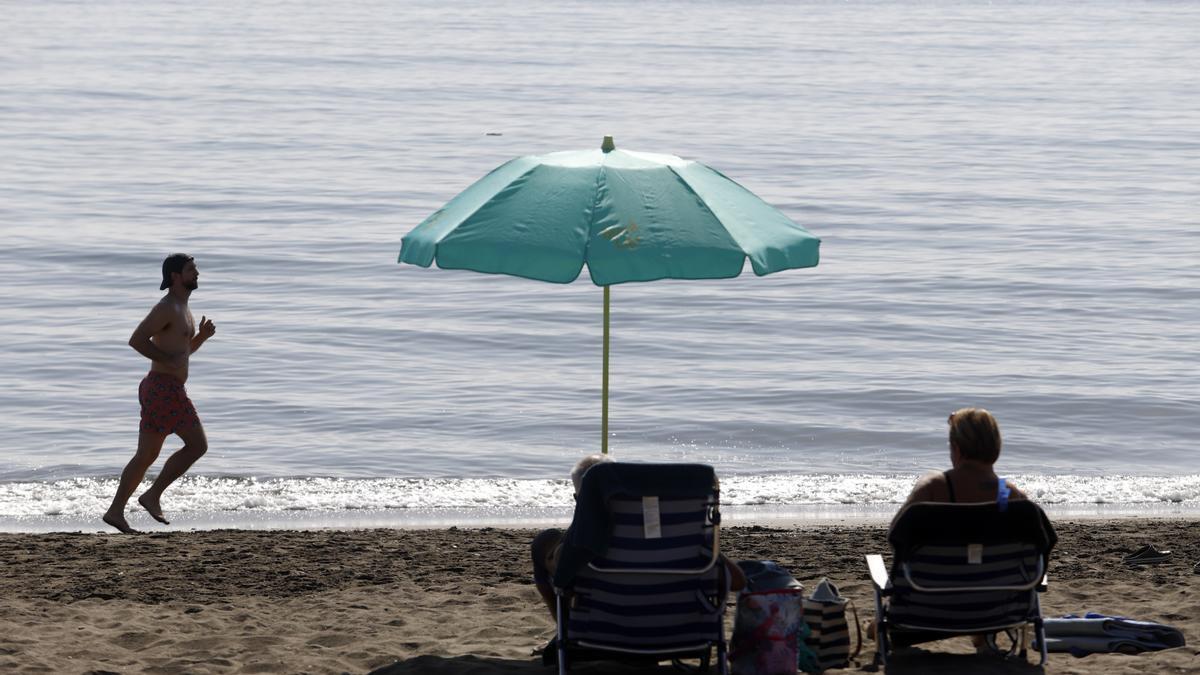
737, 578
154, 323
206, 330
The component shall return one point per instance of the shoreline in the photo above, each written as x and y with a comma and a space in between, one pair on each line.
460, 600
789, 516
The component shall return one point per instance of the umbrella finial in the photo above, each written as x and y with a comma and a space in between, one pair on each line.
608, 145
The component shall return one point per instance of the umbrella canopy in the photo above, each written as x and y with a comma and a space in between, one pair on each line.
628, 216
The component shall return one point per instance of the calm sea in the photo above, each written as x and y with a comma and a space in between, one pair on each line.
1007, 195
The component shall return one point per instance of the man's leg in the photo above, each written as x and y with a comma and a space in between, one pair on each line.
195, 444
149, 445
543, 550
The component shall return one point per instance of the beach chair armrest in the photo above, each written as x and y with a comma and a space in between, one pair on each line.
879, 575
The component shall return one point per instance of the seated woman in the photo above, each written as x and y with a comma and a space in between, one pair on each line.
974, 449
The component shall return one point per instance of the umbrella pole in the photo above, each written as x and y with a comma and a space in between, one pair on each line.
604, 384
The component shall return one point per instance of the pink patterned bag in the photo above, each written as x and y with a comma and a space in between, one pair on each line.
769, 630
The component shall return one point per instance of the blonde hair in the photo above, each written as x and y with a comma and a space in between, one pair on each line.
583, 465
976, 434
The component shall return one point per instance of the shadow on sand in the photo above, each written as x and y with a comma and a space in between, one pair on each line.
905, 663
482, 665
919, 661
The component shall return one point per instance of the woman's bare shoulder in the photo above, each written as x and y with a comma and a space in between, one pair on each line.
925, 485
932, 478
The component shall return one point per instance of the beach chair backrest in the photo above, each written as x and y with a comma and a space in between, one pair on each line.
664, 535
968, 567
658, 586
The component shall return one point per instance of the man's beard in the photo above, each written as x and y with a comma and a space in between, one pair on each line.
192, 285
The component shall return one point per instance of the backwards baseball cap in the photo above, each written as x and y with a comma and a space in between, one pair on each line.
174, 263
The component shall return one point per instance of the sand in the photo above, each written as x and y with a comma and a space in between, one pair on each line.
460, 601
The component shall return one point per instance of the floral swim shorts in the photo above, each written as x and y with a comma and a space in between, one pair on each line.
166, 407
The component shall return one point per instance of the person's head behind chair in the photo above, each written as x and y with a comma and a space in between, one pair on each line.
583, 465
975, 435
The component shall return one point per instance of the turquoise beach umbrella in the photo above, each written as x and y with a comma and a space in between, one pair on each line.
629, 216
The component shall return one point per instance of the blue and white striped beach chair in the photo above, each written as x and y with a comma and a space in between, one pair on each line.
962, 569
639, 577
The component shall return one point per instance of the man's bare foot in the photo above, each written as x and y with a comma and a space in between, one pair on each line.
152, 507
119, 522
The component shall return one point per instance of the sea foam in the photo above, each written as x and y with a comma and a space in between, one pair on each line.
336, 501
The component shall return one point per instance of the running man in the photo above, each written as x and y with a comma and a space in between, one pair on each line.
167, 336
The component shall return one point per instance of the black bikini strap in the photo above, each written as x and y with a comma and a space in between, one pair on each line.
949, 486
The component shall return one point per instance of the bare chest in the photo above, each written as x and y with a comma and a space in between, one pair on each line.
181, 325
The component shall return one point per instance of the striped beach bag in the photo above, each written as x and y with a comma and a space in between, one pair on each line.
829, 632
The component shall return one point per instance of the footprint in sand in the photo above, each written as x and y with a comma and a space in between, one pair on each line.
135, 641
333, 640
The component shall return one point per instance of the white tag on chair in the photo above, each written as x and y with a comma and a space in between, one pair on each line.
974, 554
651, 518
